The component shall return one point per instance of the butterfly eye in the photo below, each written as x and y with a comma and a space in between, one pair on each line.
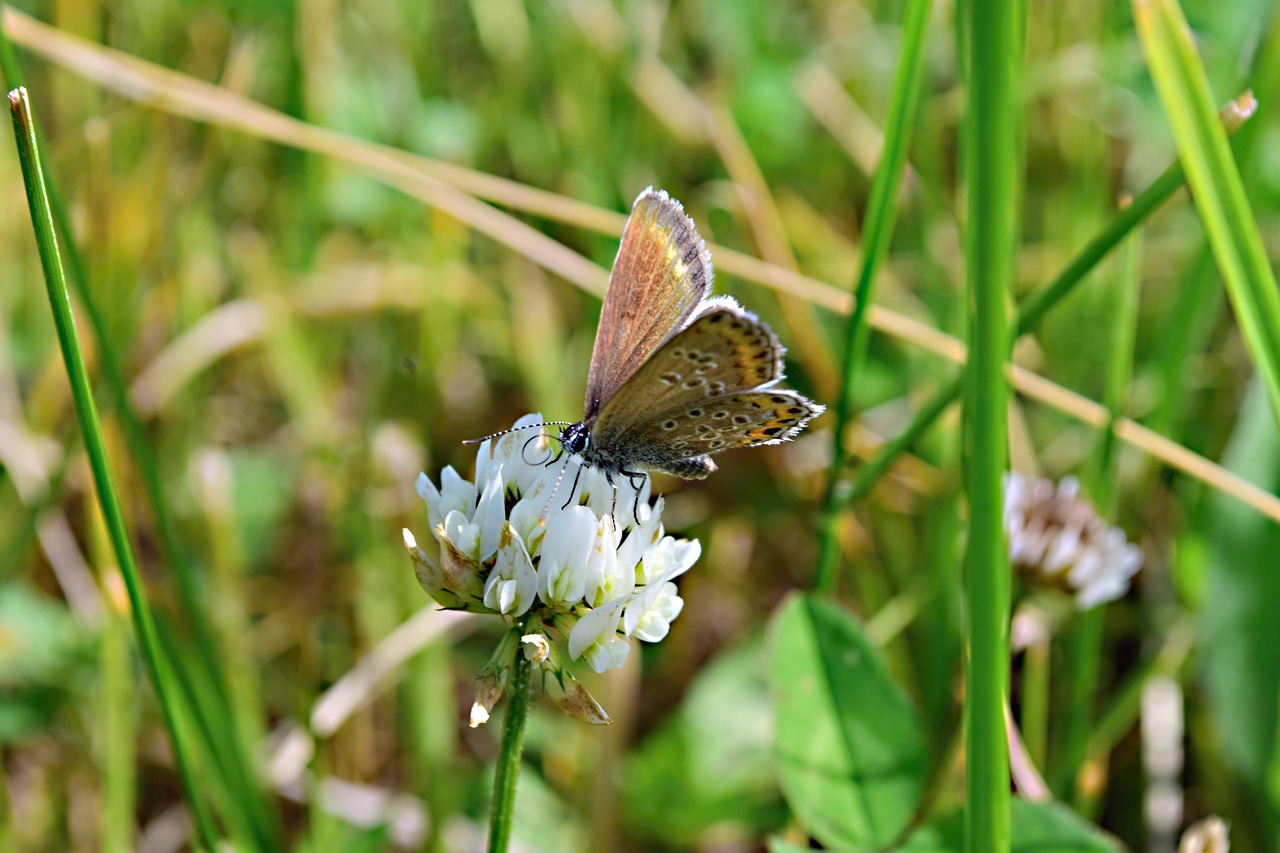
575, 438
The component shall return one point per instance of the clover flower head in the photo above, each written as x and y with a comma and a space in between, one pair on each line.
551, 541
1058, 539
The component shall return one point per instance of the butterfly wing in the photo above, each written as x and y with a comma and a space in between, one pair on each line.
705, 390
661, 275
723, 349
678, 441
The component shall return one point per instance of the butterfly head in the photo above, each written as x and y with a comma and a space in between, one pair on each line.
575, 437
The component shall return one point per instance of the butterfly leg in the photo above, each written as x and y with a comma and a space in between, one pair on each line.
633, 477
574, 489
613, 511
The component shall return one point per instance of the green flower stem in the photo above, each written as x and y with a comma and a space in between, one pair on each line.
86, 413
992, 158
881, 213
7, 841
509, 754
1034, 719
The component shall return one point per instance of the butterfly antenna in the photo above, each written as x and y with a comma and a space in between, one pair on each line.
548, 460
484, 438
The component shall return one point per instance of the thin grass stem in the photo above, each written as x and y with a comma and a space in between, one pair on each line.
95, 446
882, 210
1035, 307
1215, 181
190, 595
991, 161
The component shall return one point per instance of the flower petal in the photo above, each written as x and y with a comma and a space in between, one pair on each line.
489, 516
605, 578
651, 611
430, 575
461, 572
598, 627
562, 568
512, 584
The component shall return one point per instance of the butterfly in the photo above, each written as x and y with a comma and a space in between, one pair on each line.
676, 374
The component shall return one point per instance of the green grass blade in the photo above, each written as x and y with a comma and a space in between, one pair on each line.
86, 413
1036, 306
1215, 183
186, 583
881, 212
1087, 637
119, 734
991, 163
184, 573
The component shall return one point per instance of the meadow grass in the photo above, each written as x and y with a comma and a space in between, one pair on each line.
312, 248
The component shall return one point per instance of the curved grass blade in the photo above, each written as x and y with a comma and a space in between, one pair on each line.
95, 447
1036, 306
1215, 183
882, 210
226, 750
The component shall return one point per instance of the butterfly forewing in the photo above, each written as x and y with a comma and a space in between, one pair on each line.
741, 419
722, 350
661, 275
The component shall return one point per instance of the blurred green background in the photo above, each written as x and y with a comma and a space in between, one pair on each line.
299, 340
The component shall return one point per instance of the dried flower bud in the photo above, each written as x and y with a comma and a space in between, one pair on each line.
1206, 836
536, 647
568, 693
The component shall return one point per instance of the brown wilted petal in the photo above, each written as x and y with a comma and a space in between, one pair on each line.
429, 574
489, 689
567, 692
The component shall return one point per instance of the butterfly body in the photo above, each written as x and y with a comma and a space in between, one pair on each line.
675, 375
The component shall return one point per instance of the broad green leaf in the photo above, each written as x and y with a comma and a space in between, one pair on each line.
850, 750
1215, 183
40, 645
711, 764
1034, 828
1240, 652
264, 487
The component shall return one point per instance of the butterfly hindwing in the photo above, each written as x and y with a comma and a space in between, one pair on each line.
661, 275
722, 350
669, 440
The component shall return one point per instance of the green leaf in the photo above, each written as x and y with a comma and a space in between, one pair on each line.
40, 650
1035, 828
264, 486
1240, 654
850, 750
712, 762
1215, 183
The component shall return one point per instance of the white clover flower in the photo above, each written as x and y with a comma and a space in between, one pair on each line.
545, 541
1057, 538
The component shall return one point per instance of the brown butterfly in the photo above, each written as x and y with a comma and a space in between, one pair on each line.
677, 375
